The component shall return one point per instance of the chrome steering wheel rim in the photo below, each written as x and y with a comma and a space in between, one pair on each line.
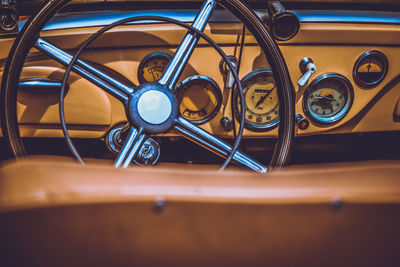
27, 38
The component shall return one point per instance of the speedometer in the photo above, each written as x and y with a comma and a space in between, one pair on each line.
261, 101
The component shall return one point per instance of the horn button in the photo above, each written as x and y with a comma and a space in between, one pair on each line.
153, 108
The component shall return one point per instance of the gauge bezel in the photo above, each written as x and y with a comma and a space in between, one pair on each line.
385, 63
249, 125
341, 114
215, 89
146, 59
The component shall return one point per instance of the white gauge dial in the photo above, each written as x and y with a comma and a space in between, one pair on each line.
328, 98
261, 99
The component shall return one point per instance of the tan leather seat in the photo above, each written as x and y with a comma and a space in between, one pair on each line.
65, 214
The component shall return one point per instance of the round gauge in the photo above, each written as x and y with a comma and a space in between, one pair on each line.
8, 18
328, 98
199, 98
152, 67
370, 69
261, 101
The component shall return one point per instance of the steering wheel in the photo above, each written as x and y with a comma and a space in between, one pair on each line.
143, 115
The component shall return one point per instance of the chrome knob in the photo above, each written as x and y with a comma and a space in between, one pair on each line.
230, 78
307, 68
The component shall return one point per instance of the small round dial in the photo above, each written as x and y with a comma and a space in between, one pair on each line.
261, 101
152, 67
328, 98
8, 18
370, 69
199, 98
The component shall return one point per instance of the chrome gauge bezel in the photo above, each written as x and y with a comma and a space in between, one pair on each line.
385, 63
345, 109
147, 59
248, 125
215, 89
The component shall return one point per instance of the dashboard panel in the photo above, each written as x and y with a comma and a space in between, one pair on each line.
336, 41
343, 72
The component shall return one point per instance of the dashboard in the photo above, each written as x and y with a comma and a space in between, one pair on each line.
185, 88
342, 66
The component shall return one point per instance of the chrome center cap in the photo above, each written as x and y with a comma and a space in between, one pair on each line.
154, 107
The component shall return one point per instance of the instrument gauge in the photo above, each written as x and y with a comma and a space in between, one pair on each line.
199, 98
328, 98
8, 18
370, 69
152, 67
261, 101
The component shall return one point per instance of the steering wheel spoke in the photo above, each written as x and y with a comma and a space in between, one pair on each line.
87, 71
214, 144
185, 50
130, 148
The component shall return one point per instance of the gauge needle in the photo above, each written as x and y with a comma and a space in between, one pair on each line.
324, 98
152, 73
262, 99
369, 67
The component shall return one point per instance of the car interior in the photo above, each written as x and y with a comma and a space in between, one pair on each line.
200, 133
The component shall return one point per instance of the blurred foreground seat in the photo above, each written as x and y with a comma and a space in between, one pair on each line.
65, 214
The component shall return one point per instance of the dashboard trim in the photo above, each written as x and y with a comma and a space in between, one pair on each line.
362, 113
348, 16
101, 18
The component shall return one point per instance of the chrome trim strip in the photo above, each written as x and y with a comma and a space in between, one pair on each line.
348, 16
40, 85
101, 18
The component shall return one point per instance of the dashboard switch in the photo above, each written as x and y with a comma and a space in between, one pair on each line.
226, 124
224, 69
302, 123
307, 68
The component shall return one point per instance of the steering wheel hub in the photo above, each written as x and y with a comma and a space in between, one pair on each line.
152, 107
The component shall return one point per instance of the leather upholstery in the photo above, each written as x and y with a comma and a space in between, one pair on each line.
64, 214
